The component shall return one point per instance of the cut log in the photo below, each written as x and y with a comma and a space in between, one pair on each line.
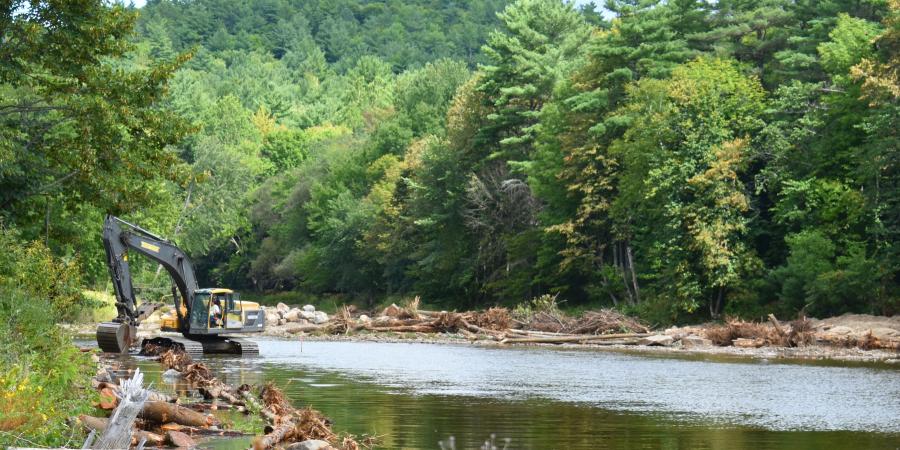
748, 343
265, 412
161, 412
179, 439
100, 424
153, 396
572, 338
404, 328
278, 433
304, 328
108, 398
201, 407
119, 431
476, 329
196, 431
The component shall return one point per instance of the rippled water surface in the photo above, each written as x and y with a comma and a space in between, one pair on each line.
415, 395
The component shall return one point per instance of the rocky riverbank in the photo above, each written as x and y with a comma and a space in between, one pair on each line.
851, 337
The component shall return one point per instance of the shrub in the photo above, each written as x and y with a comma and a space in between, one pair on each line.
44, 379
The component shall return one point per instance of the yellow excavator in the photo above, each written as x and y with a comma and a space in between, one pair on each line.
207, 319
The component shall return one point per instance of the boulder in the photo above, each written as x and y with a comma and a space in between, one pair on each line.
885, 333
292, 315
694, 341
320, 317
309, 308
282, 308
365, 319
310, 316
272, 317
312, 444
657, 339
171, 373
179, 439
281, 322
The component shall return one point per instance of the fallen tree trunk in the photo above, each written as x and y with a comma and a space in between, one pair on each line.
305, 328
265, 412
476, 329
153, 396
278, 434
197, 431
119, 430
201, 407
100, 424
161, 412
405, 328
572, 338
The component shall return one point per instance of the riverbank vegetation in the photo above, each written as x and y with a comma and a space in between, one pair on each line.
679, 160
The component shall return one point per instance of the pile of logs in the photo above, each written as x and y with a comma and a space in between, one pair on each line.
604, 327
163, 420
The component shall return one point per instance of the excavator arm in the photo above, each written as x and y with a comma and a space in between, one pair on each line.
119, 237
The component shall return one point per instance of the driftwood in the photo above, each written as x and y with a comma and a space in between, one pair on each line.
100, 424
624, 337
273, 437
120, 428
201, 407
161, 412
152, 396
307, 328
197, 431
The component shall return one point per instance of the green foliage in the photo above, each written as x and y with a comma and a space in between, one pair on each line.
664, 161
39, 366
682, 160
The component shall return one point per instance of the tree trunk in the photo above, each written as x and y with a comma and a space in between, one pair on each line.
637, 291
161, 412
100, 424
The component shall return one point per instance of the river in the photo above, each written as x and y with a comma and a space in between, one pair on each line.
414, 396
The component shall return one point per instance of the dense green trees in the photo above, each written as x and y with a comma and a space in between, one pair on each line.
680, 159
683, 159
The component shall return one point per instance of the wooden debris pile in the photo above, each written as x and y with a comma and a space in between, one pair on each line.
163, 421
796, 333
288, 424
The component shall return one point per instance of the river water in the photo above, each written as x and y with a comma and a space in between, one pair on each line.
414, 396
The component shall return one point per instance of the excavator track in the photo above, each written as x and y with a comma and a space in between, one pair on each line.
246, 347
191, 347
223, 345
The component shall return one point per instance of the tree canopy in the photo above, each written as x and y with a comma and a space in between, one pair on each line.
678, 159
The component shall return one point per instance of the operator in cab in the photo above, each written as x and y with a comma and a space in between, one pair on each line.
216, 313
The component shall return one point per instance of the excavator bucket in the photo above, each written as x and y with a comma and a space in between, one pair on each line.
115, 337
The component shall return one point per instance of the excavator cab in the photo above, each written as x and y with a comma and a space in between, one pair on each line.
230, 316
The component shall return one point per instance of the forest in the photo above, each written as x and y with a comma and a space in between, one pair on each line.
680, 160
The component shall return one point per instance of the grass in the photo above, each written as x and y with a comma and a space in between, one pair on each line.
98, 307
